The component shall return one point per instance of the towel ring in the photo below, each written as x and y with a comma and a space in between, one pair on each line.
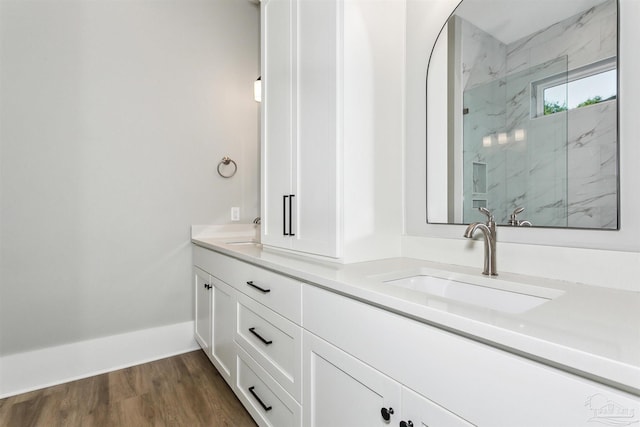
225, 161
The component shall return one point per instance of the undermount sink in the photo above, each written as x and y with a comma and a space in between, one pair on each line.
242, 243
518, 298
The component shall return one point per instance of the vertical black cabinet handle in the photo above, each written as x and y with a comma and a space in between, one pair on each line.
265, 407
284, 215
260, 337
386, 413
253, 285
291, 196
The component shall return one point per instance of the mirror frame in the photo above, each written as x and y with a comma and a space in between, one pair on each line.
424, 24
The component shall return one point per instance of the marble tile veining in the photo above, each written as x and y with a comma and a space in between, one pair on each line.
529, 159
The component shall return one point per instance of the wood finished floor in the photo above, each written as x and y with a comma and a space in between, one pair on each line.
181, 391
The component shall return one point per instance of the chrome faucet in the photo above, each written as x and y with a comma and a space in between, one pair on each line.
489, 233
515, 222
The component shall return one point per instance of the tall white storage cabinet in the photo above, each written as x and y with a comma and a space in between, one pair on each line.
332, 126
300, 142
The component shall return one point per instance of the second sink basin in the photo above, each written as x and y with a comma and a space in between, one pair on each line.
493, 298
242, 243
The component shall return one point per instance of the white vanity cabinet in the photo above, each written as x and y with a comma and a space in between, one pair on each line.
463, 380
297, 354
332, 95
418, 411
256, 339
215, 319
342, 390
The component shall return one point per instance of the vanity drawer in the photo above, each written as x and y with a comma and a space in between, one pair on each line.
208, 260
280, 293
268, 403
273, 341
215, 263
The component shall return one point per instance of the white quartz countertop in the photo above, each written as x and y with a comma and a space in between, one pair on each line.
587, 330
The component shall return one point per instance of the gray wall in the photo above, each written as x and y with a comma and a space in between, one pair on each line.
113, 117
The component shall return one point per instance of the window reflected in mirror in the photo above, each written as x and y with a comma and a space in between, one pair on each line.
592, 87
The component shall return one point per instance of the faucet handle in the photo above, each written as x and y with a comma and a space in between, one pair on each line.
514, 221
488, 213
513, 218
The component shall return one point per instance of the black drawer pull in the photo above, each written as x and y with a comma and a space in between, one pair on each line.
253, 331
265, 407
253, 285
291, 196
284, 215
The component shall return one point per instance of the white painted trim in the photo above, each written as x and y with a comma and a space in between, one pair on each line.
23, 372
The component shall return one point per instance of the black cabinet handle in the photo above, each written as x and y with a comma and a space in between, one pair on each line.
260, 337
284, 215
207, 286
291, 196
265, 407
386, 413
253, 285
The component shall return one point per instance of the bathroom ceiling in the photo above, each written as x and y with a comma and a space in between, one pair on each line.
524, 17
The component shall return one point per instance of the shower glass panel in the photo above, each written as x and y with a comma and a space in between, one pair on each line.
513, 156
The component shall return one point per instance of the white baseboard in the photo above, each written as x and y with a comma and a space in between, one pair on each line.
23, 372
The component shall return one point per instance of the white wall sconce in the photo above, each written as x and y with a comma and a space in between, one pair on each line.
257, 89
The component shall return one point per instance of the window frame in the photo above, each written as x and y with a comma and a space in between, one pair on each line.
538, 87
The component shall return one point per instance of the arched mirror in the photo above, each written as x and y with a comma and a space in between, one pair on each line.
529, 94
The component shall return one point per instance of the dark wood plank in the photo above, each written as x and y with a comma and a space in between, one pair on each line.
185, 390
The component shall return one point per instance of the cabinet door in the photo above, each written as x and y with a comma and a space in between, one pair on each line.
224, 326
316, 215
277, 114
342, 391
203, 310
418, 411
299, 125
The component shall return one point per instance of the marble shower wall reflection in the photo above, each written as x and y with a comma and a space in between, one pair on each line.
562, 168
526, 159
